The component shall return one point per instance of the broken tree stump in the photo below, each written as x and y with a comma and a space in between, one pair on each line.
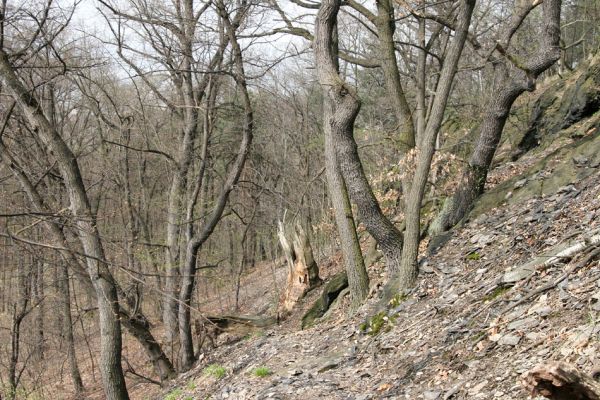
560, 381
303, 272
209, 328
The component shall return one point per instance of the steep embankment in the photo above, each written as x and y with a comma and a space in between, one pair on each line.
482, 314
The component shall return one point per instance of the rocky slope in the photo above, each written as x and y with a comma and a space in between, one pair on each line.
487, 307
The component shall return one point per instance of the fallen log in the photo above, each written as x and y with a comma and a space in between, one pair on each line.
553, 257
227, 321
560, 381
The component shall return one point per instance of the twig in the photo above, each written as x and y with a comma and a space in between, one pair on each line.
133, 372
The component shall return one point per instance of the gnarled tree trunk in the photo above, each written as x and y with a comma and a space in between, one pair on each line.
341, 106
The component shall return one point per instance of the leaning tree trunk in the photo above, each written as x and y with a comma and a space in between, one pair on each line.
341, 106
137, 324
408, 269
507, 88
87, 231
303, 271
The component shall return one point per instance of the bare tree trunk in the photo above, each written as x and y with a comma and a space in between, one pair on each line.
102, 279
244, 259
172, 277
408, 269
67, 326
194, 245
37, 286
386, 25
421, 109
341, 105
20, 311
507, 88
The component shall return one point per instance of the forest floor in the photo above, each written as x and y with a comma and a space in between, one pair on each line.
478, 318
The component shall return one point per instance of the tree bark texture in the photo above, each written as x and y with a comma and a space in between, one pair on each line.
408, 272
510, 81
341, 106
102, 279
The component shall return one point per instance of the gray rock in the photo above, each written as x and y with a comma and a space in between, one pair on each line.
438, 241
522, 324
520, 183
542, 311
519, 273
432, 394
580, 160
567, 189
509, 340
329, 364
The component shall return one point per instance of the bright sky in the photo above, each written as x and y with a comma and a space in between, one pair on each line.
89, 22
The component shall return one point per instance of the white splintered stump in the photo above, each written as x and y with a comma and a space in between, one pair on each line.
303, 272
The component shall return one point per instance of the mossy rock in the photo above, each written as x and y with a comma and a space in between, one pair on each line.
559, 171
331, 291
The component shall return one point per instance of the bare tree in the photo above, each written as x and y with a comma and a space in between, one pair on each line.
84, 220
513, 75
340, 110
425, 149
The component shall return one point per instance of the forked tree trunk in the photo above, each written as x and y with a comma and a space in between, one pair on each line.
341, 106
345, 108
408, 269
193, 247
303, 272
